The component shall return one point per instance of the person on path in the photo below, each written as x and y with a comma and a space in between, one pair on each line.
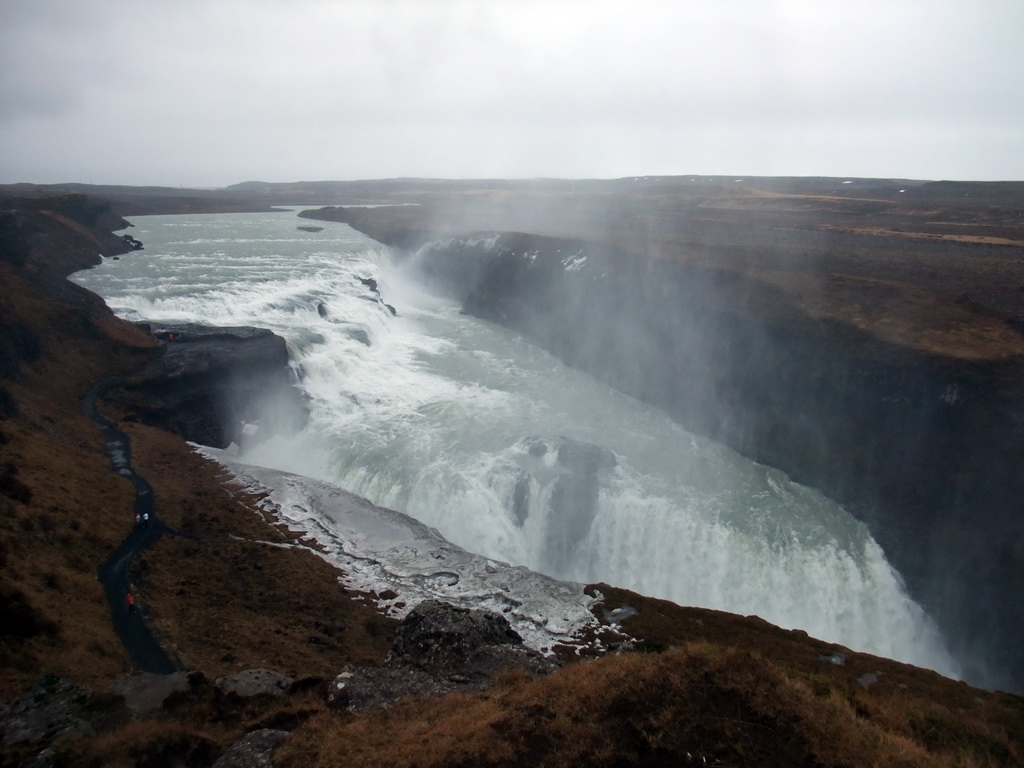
145, 518
130, 600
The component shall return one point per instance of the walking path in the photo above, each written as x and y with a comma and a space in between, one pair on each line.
144, 649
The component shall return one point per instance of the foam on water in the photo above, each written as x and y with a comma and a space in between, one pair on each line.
458, 423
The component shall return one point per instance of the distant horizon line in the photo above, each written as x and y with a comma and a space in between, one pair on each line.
692, 177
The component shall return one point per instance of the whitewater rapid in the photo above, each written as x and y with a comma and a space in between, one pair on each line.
469, 429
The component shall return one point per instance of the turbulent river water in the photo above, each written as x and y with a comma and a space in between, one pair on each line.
468, 428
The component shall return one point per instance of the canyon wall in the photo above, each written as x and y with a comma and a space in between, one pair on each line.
925, 449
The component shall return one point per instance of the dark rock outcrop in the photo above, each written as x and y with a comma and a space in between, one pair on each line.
133, 243
53, 710
145, 693
254, 682
573, 501
438, 649
440, 636
212, 382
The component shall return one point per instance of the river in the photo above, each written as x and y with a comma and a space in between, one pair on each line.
504, 450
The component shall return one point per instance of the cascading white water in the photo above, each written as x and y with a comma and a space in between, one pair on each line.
502, 448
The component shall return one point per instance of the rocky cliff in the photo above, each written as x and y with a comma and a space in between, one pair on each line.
887, 373
216, 386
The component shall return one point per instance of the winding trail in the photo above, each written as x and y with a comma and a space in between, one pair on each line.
146, 652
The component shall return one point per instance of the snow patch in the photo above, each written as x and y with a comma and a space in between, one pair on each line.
384, 551
574, 262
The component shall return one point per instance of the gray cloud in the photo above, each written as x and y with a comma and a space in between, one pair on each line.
212, 92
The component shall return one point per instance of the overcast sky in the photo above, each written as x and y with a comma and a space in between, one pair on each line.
212, 92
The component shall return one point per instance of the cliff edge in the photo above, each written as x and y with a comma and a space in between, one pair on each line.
870, 346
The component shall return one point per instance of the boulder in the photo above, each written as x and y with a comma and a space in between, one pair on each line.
438, 649
254, 682
144, 693
440, 636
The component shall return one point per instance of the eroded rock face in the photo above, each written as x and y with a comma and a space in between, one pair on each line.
438, 649
212, 385
925, 449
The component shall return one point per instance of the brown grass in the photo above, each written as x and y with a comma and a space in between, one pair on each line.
227, 599
147, 743
70, 509
223, 601
731, 707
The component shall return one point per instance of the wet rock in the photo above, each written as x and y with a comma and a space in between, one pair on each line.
537, 448
521, 499
370, 283
442, 636
360, 335
438, 649
213, 381
135, 245
252, 750
585, 458
574, 498
144, 693
575, 468
255, 682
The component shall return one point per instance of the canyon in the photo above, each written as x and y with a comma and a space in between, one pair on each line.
867, 345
